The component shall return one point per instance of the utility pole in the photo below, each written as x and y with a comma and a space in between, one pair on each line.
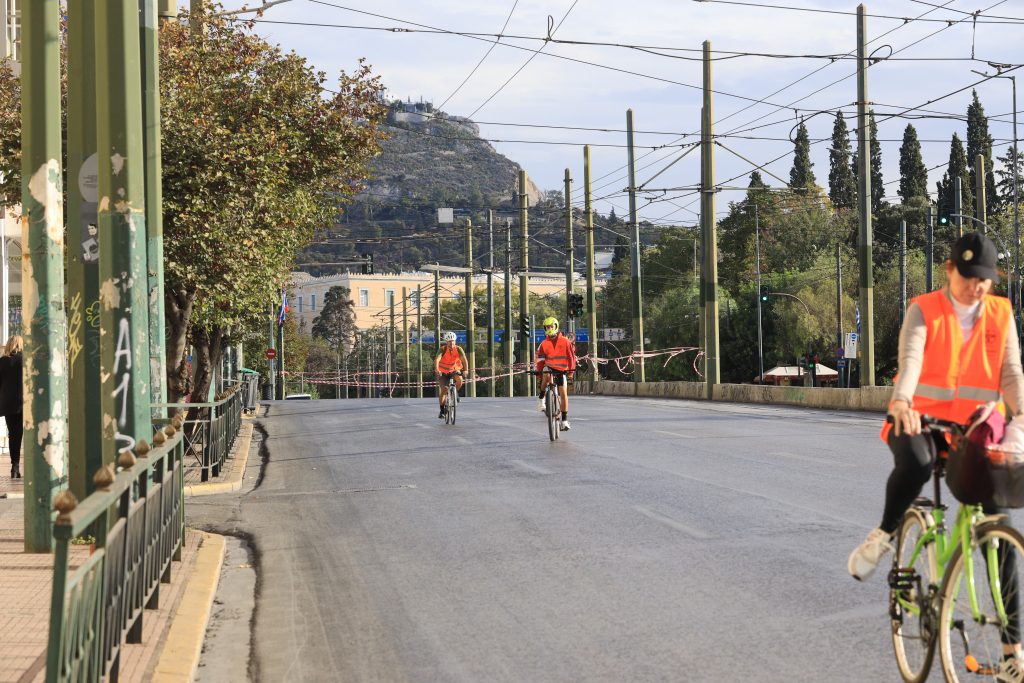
591, 293
437, 312
419, 341
280, 358
507, 345
930, 248
149, 38
569, 256
958, 191
470, 314
272, 363
638, 311
389, 350
490, 299
122, 222
405, 341
44, 392
757, 266
979, 187
839, 304
524, 285
710, 238
903, 269
866, 235
85, 442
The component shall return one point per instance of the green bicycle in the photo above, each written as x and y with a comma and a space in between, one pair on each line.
955, 587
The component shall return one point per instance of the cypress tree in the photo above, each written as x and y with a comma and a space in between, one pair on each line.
756, 181
913, 174
842, 187
877, 185
801, 176
957, 168
980, 142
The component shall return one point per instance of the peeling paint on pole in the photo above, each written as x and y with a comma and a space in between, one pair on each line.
43, 376
123, 314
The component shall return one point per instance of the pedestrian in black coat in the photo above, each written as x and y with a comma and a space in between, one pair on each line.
11, 400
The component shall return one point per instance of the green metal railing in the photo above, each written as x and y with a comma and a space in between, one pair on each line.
137, 519
210, 430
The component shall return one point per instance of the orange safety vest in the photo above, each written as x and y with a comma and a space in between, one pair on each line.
451, 360
555, 354
957, 377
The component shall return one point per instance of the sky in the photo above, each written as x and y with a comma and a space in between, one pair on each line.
930, 49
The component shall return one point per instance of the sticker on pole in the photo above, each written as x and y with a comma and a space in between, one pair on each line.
271, 354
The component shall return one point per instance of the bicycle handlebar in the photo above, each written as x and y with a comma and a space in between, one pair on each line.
936, 423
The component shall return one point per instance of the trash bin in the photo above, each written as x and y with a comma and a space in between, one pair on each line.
268, 392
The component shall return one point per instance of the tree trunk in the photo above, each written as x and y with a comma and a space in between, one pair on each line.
209, 352
178, 313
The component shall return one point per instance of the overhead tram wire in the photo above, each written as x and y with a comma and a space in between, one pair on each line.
818, 10
482, 59
551, 32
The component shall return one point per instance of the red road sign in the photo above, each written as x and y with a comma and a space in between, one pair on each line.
271, 354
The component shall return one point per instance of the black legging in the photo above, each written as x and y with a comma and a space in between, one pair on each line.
913, 457
14, 430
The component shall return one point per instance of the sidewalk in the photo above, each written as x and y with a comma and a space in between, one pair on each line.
172, 635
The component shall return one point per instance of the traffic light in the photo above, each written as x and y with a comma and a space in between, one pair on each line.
764, 293
943, 219
811, 360
575, 305
524, 330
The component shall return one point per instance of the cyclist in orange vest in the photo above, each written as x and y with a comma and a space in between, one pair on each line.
559, 354
449, 363
958, 348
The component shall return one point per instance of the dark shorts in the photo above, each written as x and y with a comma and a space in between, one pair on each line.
442, 379
559, 377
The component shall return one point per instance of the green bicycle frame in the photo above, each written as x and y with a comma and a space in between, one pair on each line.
945, 546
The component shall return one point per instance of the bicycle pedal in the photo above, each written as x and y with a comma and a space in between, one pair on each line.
903, 578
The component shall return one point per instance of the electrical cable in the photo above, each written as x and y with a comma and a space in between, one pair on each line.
482, 59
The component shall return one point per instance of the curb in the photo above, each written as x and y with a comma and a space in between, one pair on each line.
184, 643
234, 480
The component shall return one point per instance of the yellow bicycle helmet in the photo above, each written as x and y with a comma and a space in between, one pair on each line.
551, 326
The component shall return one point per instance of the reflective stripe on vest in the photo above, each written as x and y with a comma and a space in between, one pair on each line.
450, 360
956, 377
560, 362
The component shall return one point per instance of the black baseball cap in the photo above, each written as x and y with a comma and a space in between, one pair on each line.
975, 255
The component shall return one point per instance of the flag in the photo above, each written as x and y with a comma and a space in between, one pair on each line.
284, 307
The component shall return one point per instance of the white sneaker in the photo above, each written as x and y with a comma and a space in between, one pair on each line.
540, 404
1011, 669
565, 425
865, 557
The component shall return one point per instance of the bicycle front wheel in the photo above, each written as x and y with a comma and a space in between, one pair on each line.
453, 402
913, 584
551, 411
980, 604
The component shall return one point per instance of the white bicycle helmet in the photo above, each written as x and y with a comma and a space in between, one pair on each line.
449, 337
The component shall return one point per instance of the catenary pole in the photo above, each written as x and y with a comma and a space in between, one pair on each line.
569, 255
419, 341
903, 270
405, 342
507, 345
635, 275
44, 389
85, 441
490, 300
979, 187
710, 238
470, 314
929, 247
866, 343
591, 293
526, 355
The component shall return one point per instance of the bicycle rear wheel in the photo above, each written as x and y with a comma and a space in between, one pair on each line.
971, 642
452, 403
551, 410
912, 588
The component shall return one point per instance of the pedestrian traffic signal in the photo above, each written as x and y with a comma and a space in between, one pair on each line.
764, 293
811, 360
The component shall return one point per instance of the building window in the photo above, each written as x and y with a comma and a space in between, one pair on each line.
299, 299
364, 297
312, 302
414, 298
389, 297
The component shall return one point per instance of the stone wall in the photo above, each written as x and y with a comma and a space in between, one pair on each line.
865, 398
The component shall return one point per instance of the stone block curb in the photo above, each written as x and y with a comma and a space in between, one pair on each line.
233, 482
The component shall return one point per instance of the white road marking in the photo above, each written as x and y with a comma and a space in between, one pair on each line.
684, 436
395, 415
422, 425
462, 439
668, 521
839, 462
533, 468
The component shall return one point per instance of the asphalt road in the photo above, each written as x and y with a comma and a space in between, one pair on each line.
657, 541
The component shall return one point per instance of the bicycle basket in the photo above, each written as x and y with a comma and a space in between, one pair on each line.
1007, 471
968, 472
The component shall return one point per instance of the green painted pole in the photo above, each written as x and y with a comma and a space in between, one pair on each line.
149, 39
419, 341
634, 261
405, 341
591, 290
85, 439
570, 256
470, 315
711, 347
124, 318
42, 272
865, 233
524, 285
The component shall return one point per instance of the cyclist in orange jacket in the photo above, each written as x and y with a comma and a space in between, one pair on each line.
559, 355
449, 363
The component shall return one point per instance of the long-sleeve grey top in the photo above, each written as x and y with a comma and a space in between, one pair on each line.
911, 356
